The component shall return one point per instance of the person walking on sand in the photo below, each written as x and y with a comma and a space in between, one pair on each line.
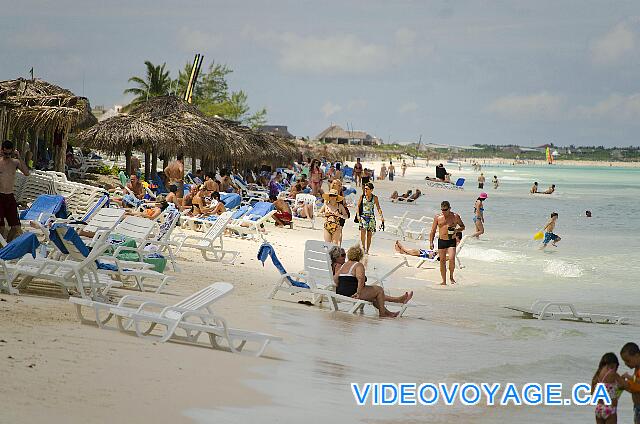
333, 211
366, 216
630, 354
481, 180
403, 167
478, 217
9, 163
549, 235
392, 171
175, 172
447, 224
357, 172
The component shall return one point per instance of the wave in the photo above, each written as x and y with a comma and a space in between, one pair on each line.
508, 178
489, 255
562, 269
509, 170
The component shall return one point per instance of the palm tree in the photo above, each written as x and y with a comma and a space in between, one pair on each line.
158, 83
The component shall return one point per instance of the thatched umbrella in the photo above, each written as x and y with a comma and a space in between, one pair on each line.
33, 107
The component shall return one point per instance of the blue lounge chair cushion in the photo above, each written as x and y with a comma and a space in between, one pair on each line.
259, 210
240, 212
47, 204
20, 246
460, 182
265, 251
230, 200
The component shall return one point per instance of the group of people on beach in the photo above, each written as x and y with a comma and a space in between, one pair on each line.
615, 384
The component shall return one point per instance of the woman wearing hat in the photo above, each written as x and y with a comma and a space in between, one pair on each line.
333, 211
366, 216
478, 217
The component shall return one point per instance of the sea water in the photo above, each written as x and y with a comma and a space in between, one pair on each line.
464, 333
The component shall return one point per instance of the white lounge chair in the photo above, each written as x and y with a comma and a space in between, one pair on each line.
104, 219
398, 226
67, 274
549, 309
193, 315
252, 223
210, 243
307, 199
69, 243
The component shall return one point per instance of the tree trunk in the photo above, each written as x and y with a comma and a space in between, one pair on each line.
193, 165
154, 162
147, 166
127, 158
165, 162
60, 153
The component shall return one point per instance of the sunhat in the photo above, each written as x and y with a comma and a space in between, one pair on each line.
333, 192
483, 195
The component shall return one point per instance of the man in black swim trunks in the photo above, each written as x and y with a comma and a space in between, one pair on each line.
447, 224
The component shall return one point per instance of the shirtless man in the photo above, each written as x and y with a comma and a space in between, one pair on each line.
210, 182
481, 180
447, 224
549, 235
175, 172
283, 216
9, 162
357, 172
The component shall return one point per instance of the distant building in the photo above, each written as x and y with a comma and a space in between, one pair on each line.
337, 135
280, 130
101, 113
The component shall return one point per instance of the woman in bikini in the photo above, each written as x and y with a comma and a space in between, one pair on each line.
333, 210
613, 383
351, 279
316, 178
478, 215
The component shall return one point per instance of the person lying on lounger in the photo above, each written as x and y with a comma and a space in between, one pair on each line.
424, 253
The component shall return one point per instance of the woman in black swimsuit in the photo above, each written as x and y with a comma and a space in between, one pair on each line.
350, 281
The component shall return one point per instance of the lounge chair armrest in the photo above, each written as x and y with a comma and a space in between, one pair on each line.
206, 318
136, 298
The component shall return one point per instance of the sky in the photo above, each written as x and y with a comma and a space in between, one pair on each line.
454, 72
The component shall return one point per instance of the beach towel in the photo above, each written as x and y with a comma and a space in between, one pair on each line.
265, 251
20, 246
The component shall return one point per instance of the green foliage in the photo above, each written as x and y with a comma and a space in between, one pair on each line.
156, 83
107, 170
212, 96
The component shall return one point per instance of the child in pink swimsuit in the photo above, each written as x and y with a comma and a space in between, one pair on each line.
608, 376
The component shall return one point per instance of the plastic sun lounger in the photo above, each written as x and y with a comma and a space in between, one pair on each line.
193, 315
307, 199
25, 244
68, 242
549, 309
67, 274
451, 186
210, 243
253, 221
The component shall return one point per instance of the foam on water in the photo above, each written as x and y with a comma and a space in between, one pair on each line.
562, 269
489, 255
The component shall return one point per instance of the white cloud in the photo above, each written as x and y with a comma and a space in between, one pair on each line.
338, 53
615, 106
36, 39
330, 108
538, 106
357, 105
408, 107
196, 40
613, 45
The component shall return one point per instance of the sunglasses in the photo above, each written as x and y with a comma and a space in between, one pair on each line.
444, 209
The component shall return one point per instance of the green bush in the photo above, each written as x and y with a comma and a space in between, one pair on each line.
107, 170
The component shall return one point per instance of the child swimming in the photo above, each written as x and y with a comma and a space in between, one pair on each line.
613, 383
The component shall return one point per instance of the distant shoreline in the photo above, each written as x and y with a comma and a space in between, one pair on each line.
559, 162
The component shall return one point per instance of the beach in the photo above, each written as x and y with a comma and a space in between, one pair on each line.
56, 369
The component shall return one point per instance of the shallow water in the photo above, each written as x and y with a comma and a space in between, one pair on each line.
464, 334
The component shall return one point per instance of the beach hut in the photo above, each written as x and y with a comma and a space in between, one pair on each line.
40, 115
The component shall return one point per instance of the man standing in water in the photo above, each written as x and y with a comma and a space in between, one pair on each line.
175, 172
549, 235
9, 163
357, 172
481, 181
447, 224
